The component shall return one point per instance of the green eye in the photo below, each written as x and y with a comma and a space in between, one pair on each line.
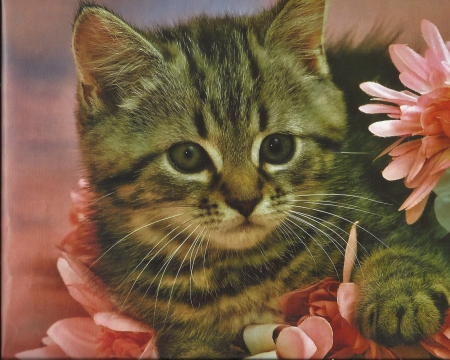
188, 157
277, 149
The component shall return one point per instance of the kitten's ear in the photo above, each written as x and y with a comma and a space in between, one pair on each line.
299, 29
110, 56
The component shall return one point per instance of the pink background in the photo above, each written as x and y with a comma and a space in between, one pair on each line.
40, 158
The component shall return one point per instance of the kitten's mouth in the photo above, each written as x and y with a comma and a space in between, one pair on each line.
238, 236
246, 226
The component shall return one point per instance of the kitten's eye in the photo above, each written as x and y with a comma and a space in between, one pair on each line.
188, 157
277, 149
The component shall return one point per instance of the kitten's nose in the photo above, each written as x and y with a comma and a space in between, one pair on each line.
244, 207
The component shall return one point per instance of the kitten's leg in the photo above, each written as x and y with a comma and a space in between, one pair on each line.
405, 293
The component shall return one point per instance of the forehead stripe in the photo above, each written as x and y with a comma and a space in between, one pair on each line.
199, 122
263, 117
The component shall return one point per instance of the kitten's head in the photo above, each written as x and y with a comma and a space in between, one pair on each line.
216, 124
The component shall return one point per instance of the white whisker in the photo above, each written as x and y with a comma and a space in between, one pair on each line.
301, 240
347, 195
192, 263
179, 269
104, 196
335, 204
347, 220
146, 265
164, 268
323, 223
131, 233
204, 261
312, 237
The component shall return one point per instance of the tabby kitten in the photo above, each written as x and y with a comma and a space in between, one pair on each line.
219, 153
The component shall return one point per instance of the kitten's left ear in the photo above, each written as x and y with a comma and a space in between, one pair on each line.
299, 29
110, 55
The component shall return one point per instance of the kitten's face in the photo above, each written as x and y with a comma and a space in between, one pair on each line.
215, 128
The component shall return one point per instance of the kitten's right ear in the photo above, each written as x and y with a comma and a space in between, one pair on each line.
110, 55
298, 29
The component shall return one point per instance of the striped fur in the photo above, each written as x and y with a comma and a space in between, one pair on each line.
200, 254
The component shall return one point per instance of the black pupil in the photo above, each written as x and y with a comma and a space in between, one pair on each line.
275, 146
189, 153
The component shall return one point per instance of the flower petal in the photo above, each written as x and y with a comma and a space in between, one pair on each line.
434, 40
294, 343
319, 330
390, 148
446, 67
118, 322
406, 59
347, 298
428, 173
438, 345
77, 277
420, 193
413, 81
350, 254
437, 78
150, 352
438, 95
413, 214
406, 147
77, 337
388, 128
411, 113
375, 89
400, 166
417, 165
380, 109
432, 145
295, 303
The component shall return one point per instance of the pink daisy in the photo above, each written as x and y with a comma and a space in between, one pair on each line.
421, 118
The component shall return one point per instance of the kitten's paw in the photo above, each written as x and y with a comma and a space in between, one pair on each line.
404, 297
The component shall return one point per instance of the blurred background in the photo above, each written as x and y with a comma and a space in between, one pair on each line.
40, 161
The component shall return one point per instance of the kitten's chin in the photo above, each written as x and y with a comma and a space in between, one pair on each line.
239, 235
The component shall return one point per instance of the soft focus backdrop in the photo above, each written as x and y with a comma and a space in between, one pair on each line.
40, 162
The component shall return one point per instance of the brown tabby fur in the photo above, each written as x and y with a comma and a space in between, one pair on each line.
200, 253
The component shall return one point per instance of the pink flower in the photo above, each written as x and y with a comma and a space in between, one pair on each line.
425, 114
312, 338
81, 242
439, 344
349, 342
106, 333
315, 316
336, 303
